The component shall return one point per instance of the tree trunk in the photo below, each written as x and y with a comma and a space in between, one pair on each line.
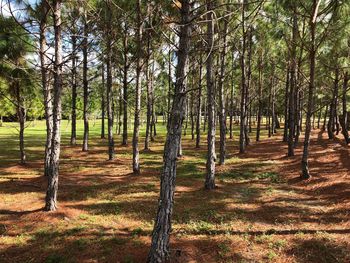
344, 119
273, 113
260, 105
312, 56
86, 87
242, 133
169, 85
135, 139
333, 106
248, 82
199, 104
120, 122
45, 86
222, 113
51, 194
103, 102
125, 88
292, 91
192, 114
211, 156
149, 96
286, 112
325, 119
153, 112
231, 112
319, 118
159, 251
109, 90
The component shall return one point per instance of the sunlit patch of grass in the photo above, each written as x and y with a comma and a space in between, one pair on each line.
18, 240
200, 227
271, 255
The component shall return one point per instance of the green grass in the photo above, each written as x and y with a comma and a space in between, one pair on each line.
106, 212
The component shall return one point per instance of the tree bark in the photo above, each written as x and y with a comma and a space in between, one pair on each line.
103, 102
286, 111
109, 98
45, 85
260, 102
222, 110
125, 87
199, 104
242, 133
149, 97
51, 194
312, 56
333, 106
135, 139
344, 119
85, 86
292, 91
159, 251
211, 156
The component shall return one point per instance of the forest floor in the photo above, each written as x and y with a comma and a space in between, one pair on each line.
260, 211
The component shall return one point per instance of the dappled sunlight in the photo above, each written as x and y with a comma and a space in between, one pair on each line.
105, 209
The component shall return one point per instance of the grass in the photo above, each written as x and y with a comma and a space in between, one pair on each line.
106, 213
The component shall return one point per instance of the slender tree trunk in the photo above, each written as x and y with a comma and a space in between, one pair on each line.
120, 122
325, 119
250, 117
199, 104
51, 194
242, 133
299, 117
273, 113
319, 118
45, 86
153, 111
292, 91
222, 110
344, 119
248, 82
269, 112
186, 118
169, 84
135, 139
159, 251
260, 105
111, 152
192, 115
103, 102
125, 88
286, 111
86, 87
149, 97
211, 156
332, 109
231, 112
312, 56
